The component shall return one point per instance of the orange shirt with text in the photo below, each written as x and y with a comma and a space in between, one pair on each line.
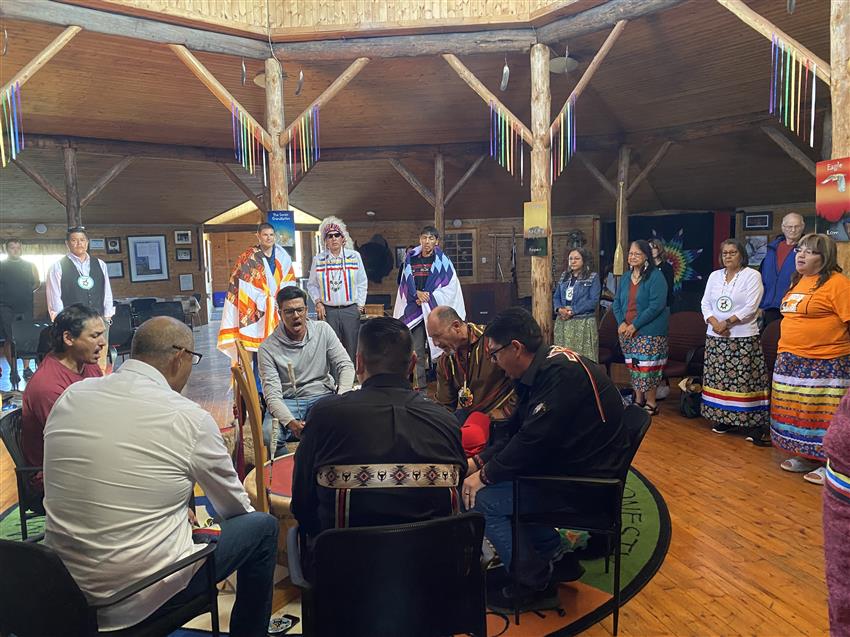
815, 321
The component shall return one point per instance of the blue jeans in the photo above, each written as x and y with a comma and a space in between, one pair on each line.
247, 545
299, 409
539, 544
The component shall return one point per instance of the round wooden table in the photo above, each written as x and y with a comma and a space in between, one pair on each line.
279, 483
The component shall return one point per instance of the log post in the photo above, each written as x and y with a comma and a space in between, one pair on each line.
541, 189
278, 188
839, 36
439, 194
72, 194
622, 210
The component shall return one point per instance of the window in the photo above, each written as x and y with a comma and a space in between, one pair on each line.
460, 247
42, 261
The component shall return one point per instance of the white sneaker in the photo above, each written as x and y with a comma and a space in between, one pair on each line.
662, 392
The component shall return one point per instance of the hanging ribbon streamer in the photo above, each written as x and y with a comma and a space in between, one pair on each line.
248, 149
562, 139
302, 148
11, 124
789, 89
507, 147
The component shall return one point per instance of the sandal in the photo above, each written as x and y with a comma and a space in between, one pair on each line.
818, 476
760, 439
799, 465
652, 410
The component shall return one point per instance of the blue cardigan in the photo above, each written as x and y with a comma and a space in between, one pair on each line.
776, 284
586, 293
653, 313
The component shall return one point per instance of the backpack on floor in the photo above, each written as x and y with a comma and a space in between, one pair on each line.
691, 397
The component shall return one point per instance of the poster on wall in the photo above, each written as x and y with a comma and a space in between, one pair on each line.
832, 195
283, 222
756, 249
535, 229
148, 261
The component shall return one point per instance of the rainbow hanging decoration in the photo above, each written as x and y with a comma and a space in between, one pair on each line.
791, 80
507, 146
11, 124
562, 140
302, 147
247, 143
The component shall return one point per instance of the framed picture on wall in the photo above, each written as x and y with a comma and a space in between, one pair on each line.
758, 220
187, 283
756, 248
183, 237
97, 244
115, 269
184, 254
113, 245
148, 260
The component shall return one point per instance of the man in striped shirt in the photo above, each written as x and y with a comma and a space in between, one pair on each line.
338, 283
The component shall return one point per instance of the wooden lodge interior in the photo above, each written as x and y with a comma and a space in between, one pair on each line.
122, 137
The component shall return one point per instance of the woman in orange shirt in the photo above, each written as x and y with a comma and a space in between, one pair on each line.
812, 369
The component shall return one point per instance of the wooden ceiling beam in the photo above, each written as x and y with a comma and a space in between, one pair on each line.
768, 30
94, 146
592, 67
656, 159
326, 96
104, 180
40, 179
790, 148
32, 67
413, 180
466, 177
217, 89
485, 94
255, 199
597, 174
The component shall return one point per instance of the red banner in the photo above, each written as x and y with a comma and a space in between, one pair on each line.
832, 189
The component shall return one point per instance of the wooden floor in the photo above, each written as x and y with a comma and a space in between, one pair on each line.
746, 556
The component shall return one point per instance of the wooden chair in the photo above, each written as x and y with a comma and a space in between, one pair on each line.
246, 394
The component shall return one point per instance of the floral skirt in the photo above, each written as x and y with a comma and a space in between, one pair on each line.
735, 389
804, 397
580, 335
645, 357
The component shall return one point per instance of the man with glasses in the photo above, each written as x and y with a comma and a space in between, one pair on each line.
250, 314
122, 455
567, 422
338, 283
778, 266
428, 279
301, 362
72, 279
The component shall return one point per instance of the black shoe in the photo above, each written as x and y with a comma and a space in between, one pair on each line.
497, 578
720, 428
567, 569
760, 438
524, 599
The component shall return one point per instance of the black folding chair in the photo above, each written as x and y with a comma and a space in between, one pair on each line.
595, 504
30, 498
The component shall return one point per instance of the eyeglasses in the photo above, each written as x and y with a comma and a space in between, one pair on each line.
196, 357
496, 351
794, 227
292, 311
333, 235
733, 253
805, 251
636, 254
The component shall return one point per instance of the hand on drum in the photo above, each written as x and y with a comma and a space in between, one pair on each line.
295, 426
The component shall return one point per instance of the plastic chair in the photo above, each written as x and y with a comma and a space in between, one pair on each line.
423, 579
39, 597
595, 504
30, 503
121, 331
609, 343
174, 309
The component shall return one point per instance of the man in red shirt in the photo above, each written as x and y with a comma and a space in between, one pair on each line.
77, 338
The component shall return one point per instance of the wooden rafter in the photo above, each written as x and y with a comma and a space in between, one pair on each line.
485, 94
40, 179
72, 193
768, 30
32, 67
255, 199
326, 96
413, 180
466, 177
104, 180
656, 159
217, 89
594, 64
597, 174
439, 193
790, 148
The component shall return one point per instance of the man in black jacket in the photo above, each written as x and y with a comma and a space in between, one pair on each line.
567, 422
382, 455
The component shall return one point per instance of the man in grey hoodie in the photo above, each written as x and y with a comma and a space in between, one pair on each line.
300, 362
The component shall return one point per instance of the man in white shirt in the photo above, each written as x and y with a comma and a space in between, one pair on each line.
121, 457
338, 283
72, 279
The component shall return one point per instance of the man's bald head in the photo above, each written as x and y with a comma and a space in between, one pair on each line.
446, 328
163, 343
